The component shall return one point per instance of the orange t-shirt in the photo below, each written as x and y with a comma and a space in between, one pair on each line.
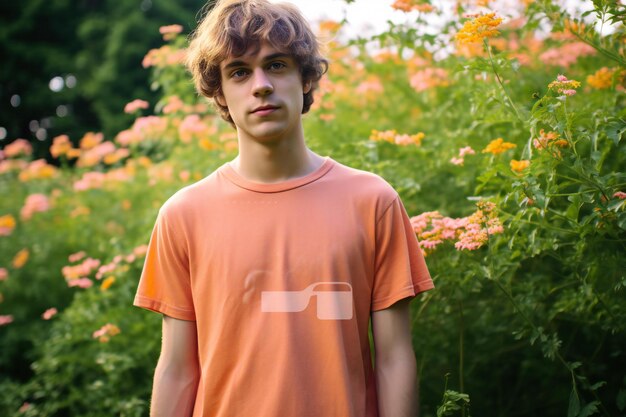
281, 279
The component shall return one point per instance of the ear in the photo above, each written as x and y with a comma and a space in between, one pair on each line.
221, 100
307, 87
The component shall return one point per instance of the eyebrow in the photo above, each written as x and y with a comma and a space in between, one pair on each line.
240, 63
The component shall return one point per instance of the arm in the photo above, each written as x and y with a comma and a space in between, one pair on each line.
177, 373
396, 369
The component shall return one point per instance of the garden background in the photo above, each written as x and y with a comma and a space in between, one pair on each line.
502, 131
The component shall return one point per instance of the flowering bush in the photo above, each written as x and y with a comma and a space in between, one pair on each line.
505, 146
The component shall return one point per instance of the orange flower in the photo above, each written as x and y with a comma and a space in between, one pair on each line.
106, 284
411, 5
519, 166
20, 258
105, 332
7, 224
603, 78
480, 27
90, 140
498, 146
329, 26
60, 146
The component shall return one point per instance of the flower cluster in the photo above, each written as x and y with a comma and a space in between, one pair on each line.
469, 233
38, 169
135, 105
519, 166
602, 79
169, 32
564, 86
35, 203
144, 128
105, 333
429, 78
392, 136
164, 56
461, 158
498, 146
194, 128
7, 224
413, 5
19, 147
566, 55
482, 26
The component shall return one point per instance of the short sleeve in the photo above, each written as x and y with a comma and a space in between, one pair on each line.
165, 284
401, 271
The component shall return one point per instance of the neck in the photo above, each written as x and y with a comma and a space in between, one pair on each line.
275, 161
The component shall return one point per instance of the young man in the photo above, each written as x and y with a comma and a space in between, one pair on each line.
268, 270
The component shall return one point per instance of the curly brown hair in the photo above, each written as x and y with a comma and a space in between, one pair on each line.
231, 27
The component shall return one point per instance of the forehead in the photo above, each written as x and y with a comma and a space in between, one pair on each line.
256, 52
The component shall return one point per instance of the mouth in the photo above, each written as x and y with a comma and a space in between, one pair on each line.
264, 110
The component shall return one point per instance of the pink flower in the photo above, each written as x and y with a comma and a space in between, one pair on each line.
4, 274
135, 105
620, 194
105, 332
35, 203
75, 257
466, 151
24, 408
18, 147
561, 77
4, 320
80, 283
457, 161
49, 313
569, 92
141, 250
170, 31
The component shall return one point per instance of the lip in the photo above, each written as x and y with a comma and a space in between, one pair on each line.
264, 110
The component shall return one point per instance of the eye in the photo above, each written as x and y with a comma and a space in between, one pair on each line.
276, 66
239, 73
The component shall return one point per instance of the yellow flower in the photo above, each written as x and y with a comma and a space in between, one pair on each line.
498, 146
7, 224
106, 284
603, 78
20, 258
563, 85
519, 166
480, 27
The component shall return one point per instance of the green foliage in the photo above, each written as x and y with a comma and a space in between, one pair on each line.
529, 322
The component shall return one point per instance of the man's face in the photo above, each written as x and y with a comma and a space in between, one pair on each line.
264, 93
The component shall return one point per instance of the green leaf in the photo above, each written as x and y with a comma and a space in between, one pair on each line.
615, 129
574, 404
589, 409
620, 400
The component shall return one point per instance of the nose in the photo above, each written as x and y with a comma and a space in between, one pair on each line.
262, 84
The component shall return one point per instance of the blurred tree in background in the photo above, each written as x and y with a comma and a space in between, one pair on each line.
70, 66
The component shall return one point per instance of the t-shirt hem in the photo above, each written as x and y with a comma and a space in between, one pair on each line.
410, 291
160, 307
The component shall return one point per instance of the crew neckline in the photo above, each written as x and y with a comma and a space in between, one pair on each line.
275, 187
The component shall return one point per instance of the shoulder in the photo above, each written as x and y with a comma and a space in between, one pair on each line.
363, 183
191, 198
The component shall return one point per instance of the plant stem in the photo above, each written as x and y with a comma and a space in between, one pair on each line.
493, 67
